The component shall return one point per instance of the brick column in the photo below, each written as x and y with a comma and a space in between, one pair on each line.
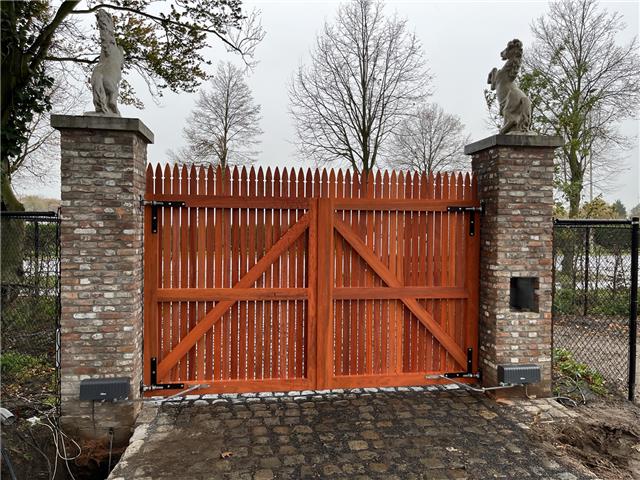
515, 181
103, 165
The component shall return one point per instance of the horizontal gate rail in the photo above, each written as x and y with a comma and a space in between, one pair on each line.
289, 203
423, 205
217, 294
382, 293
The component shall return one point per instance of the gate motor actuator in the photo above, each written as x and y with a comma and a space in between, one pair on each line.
509, 376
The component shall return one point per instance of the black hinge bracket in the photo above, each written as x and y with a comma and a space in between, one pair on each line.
154, 211
154, 379
472, 218
469, 373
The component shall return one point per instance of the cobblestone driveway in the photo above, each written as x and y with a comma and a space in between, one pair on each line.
392, 434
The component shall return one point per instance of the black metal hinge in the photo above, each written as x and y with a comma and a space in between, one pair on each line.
154, 211
472, 219
469, 373
154, 379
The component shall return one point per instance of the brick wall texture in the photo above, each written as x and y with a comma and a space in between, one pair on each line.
101, 250
516, 184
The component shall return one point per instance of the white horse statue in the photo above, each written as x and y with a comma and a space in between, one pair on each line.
515, 106
105, 79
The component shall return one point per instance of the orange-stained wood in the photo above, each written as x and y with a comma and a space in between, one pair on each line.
249, 279
425, 317
289, 279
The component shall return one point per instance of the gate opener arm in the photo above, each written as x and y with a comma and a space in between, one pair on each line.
472, 218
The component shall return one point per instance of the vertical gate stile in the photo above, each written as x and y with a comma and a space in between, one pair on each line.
430, 259
413, 270
184, 272
472, 275
393, 243
244, 254
150, 285
403, 315
312, 293
190, 358
164, 232
324, 362
175, 265
209, 274
251, 364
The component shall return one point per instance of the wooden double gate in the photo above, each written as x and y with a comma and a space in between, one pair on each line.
266, 281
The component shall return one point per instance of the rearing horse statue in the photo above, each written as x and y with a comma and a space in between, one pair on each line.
105, 79
515, 106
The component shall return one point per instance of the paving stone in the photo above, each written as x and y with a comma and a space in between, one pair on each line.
408, 433
263, 475
358, 445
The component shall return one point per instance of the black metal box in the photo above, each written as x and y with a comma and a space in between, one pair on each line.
519, 374
522, 296
105, 389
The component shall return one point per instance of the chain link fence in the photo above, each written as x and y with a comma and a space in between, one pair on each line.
593, 294
30, 281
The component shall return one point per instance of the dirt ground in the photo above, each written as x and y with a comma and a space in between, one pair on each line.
603, 439
31, 448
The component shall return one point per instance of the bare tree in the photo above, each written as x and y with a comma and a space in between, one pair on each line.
38, 159
582, 84
428, 141
366, 72
223, 127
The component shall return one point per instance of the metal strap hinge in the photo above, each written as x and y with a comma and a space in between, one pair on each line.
472, 218
154, 210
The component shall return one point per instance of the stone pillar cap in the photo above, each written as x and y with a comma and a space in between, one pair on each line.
99, 122
522, 140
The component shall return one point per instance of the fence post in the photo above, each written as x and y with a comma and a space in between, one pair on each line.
634, 361
515, 181
103, 178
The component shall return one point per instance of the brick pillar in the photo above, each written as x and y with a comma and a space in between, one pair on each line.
515, 180
103, 165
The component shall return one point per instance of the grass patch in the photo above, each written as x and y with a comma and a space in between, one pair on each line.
569, 371
21, 367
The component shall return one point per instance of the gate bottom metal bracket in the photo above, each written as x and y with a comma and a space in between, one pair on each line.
469, 373
154, 379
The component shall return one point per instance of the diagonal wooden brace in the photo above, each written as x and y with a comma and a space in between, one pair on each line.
183, 347
446, 340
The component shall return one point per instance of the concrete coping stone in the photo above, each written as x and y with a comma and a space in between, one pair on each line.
514, 140
99, 122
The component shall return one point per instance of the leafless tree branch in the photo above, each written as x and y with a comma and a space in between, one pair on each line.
366, 72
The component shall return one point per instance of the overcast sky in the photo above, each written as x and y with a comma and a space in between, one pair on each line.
461, 42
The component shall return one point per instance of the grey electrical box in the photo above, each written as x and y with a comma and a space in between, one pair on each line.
519, 374
105, 389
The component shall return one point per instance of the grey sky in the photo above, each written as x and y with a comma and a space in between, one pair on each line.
461, 42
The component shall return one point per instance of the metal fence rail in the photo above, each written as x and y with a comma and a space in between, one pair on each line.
595, 297
30, 289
